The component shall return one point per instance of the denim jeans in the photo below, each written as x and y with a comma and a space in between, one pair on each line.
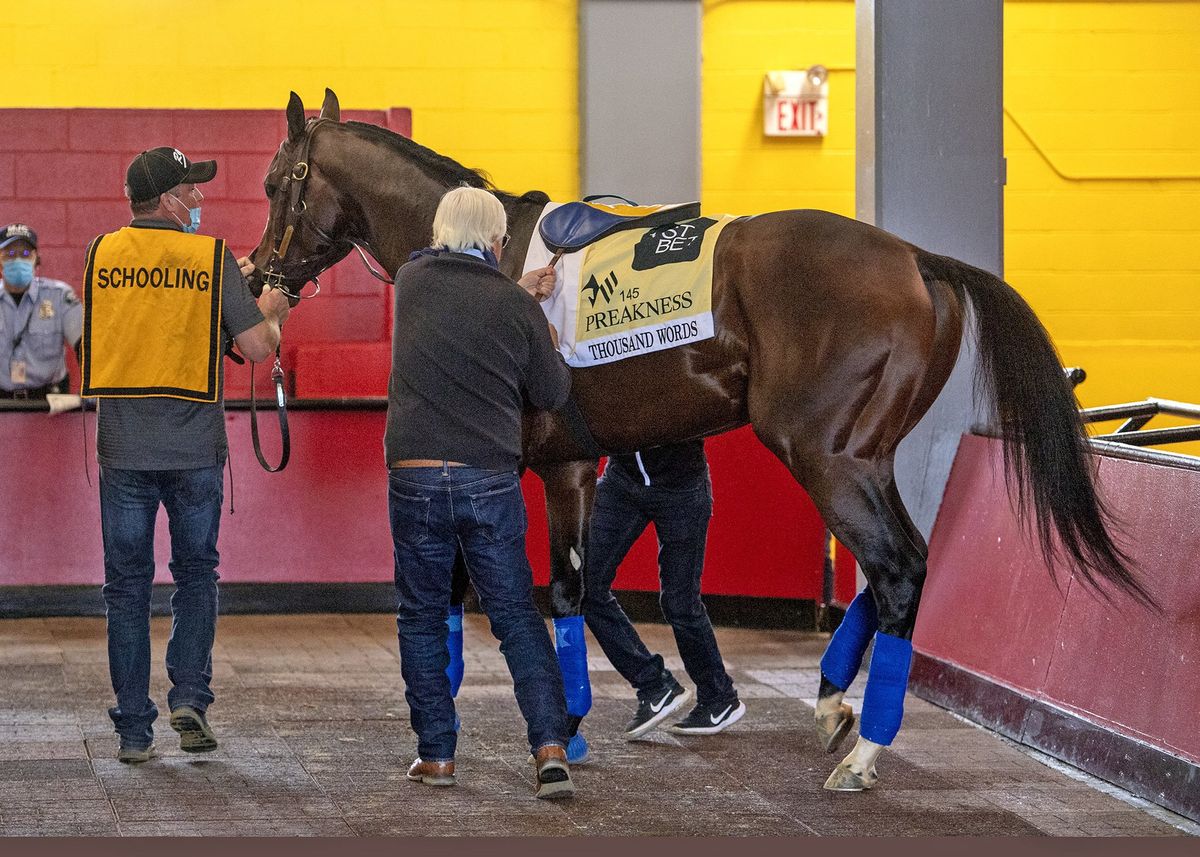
433, 511
129, 501
621, 511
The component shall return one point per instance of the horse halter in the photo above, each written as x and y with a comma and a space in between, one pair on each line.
272, 274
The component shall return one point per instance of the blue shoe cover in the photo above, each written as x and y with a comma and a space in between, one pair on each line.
577, 749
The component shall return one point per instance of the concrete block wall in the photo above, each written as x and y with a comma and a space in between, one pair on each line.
66, 172
1102, 136
493, 84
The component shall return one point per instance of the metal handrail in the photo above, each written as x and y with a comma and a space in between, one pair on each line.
1129, 438
1145, 456
1138, 414
1148, 408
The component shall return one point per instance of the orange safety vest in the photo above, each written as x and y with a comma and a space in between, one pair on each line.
152, 315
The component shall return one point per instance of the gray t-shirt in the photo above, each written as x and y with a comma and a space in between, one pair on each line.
160, 433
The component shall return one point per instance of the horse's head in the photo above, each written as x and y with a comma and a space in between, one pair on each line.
308, 221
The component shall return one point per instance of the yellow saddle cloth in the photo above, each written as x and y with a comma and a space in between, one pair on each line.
634, 292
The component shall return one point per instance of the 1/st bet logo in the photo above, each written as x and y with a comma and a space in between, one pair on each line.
675, 238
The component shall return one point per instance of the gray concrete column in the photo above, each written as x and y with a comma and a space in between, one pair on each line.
930, 168
639, 99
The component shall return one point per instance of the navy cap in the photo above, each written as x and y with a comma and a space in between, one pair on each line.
156, 171
17, 232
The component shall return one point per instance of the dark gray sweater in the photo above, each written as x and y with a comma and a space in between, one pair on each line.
467, 345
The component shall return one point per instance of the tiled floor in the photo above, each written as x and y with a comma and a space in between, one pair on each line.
315, 739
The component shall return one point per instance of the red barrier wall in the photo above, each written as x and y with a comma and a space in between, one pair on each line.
990, 607
324, 518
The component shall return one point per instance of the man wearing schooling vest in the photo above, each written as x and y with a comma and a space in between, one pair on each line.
160, 304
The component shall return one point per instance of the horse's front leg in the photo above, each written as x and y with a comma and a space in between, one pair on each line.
570, 488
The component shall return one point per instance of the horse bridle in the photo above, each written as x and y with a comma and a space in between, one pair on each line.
273, 277
272, 274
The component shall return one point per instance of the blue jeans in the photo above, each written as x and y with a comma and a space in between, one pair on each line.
433, 511
129, 501
621, 512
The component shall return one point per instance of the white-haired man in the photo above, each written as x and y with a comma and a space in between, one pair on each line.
468, 346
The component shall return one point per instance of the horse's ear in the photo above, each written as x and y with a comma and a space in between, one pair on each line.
330, 109
295, 117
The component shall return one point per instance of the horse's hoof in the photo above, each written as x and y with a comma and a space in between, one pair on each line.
845, 780
834, 728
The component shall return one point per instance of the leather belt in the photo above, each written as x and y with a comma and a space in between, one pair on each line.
424, 462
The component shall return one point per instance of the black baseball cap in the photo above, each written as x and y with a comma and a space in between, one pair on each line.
156, 171
17, 232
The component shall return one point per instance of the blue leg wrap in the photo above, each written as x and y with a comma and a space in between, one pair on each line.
454, 642
572, 660
844, 654
883, 705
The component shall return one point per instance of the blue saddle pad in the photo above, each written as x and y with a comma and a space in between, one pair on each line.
575, 225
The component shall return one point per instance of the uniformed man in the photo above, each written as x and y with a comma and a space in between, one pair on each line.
162, 304
38, 316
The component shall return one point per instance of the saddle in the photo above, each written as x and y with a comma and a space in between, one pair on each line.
574, 225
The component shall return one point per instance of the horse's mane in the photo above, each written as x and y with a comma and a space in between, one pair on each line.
434, 165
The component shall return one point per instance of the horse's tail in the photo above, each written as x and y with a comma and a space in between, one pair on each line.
1046, 453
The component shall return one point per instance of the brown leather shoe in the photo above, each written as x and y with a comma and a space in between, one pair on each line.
553, 773
432, 773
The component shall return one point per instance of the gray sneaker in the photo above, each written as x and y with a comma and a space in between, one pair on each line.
195, 735
136, 755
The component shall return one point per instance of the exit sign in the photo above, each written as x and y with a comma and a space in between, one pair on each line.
796, 103
794, 116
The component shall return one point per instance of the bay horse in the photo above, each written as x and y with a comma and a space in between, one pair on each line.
832, 339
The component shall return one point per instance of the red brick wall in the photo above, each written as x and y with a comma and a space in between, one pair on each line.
62, 171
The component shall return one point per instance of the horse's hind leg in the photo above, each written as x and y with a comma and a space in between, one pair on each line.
843, 656
859, 502
864, 510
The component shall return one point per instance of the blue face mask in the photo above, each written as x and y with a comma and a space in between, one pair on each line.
194, 217
18, 272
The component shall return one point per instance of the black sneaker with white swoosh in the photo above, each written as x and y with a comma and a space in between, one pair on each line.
655, 707
710, 719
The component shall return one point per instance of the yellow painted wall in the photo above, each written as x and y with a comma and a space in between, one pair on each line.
1102, 124
493, 88
1102, 135
744, 172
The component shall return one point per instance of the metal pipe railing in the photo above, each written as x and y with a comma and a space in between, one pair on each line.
1144, 410
1153, 437
1146, 456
